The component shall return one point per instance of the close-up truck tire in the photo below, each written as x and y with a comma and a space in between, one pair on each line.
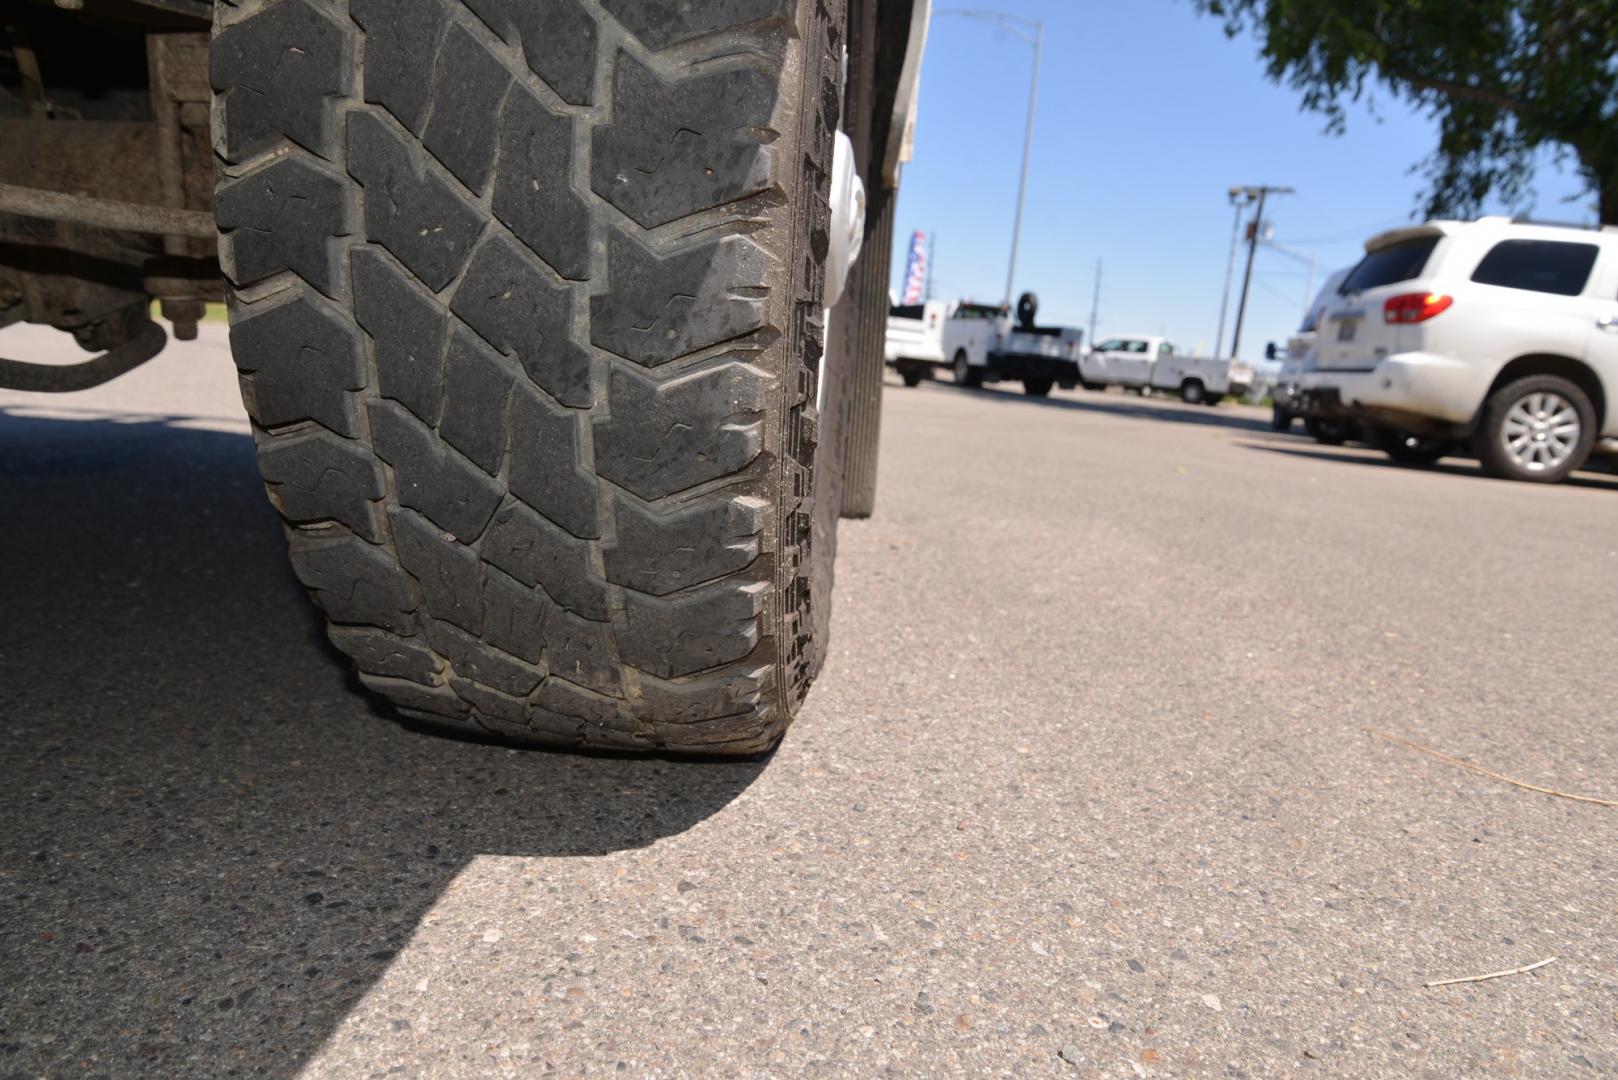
527, 305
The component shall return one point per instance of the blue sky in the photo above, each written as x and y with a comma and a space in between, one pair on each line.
1147, 115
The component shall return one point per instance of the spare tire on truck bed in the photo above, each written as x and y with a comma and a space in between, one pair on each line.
527, 309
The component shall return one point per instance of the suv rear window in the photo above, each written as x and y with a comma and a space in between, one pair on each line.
1547, 266
1386, 266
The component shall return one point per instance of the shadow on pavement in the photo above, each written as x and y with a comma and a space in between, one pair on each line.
1110, 403
1458, 466
212, 846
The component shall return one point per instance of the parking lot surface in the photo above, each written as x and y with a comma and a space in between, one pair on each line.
1092, 783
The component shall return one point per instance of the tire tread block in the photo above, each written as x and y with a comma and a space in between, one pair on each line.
507, 299
536, 552
284, 217
304, 362
472, 659
697, 543
581, 652
431, 477
514, 615
450, 574
672, 150
277, 73
468, 88
377, 652
411, 698
407, 327
320, 476
400, 39
660, 438
659, 23
533, 195
662, 307
409, 210
681, 635
477, 384
544, 451
558, 40
355, 582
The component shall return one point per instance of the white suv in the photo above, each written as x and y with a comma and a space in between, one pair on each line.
1500, 333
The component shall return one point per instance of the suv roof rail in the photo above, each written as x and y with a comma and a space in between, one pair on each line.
1524, 219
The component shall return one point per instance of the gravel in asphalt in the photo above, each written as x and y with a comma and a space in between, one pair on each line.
1090, 784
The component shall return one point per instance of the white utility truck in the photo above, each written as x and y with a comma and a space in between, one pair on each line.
1146, 362
981, 343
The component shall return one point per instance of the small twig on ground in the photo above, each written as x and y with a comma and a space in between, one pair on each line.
1492, 975
1498, 776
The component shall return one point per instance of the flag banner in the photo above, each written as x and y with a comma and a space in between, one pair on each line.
916, 269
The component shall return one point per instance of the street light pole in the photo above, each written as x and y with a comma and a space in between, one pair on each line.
1027, 146
1031, 32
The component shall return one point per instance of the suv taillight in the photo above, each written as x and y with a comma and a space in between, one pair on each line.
1415, 307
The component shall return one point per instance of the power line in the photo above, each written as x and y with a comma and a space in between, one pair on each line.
1352, 234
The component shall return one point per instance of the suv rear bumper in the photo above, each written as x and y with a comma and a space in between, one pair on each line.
1421, 389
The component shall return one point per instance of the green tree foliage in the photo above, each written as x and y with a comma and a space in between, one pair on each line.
1503, 79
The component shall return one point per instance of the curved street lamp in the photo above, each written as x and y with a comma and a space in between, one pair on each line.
1030, 32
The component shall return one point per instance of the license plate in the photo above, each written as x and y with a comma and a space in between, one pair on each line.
1346, 329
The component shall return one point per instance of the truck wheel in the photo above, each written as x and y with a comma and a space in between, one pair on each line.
1538, 428
965, 374
1405, 448
1280, 419
1326, 432
1191, 392
527, 307
911, 376
1038, 387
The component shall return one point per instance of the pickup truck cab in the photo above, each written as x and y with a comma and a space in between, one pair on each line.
1148, 362
1498, 333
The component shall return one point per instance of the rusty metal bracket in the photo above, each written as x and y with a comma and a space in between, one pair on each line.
146, 342
105, 213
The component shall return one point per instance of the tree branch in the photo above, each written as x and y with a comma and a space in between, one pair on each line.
1464, 91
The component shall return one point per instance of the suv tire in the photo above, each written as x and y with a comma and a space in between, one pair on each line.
527, 311
1548, 419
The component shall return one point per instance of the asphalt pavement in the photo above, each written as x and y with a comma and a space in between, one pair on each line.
1093, 783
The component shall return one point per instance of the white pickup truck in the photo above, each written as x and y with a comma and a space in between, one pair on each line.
981, 343
1146, 362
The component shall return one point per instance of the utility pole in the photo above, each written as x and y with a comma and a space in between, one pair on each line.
1031, 32
1261, 191
1095, 303
1309, 286
1240, 200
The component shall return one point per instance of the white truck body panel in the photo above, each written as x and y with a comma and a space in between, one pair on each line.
1147, 360
939, 335
939, 332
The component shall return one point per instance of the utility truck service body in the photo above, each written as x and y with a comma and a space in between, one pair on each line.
981, 343
1148, 362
